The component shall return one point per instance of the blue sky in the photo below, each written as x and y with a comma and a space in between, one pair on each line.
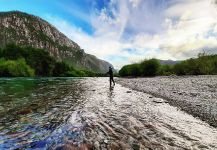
67, 9
126, 31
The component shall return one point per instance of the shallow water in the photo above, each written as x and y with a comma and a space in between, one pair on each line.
57, 113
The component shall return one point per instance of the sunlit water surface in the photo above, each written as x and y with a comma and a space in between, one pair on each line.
57, 113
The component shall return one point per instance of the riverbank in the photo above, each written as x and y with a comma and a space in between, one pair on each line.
196, 95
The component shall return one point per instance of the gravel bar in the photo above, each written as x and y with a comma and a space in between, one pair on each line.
196, 95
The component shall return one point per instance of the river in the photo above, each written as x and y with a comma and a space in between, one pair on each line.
85, 113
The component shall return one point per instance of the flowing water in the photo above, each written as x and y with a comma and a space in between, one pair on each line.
85, 113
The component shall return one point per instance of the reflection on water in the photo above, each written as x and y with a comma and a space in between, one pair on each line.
32, 108
85, 113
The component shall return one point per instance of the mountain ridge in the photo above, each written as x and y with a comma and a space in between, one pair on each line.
29, 30
169, 62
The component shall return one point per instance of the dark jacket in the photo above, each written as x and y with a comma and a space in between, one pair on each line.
110, 72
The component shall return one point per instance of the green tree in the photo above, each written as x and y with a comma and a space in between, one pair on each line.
124, 71
40, 60
37, 59
166, 70
150, 67
60, 69
12, 52
1, 55
134, 70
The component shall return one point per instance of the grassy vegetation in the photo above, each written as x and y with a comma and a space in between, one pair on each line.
16, 61
203, 65
15, 68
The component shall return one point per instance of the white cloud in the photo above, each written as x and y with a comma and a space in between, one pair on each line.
153, 28
135, 3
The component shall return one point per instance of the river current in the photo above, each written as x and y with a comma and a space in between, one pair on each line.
85, 113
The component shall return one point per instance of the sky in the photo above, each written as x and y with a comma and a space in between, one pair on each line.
128, 31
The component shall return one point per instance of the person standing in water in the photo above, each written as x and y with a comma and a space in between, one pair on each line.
111, 79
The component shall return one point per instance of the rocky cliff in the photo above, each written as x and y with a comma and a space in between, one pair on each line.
28, 30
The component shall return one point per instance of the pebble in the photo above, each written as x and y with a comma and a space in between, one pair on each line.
114, 146
158, 100
97, 145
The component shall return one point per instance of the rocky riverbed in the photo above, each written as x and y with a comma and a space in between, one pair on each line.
196, 95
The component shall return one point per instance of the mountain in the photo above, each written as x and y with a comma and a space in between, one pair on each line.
168, 62
28, 30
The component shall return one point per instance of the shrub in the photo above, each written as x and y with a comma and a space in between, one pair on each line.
166, 70
150, 67
204, 65
130, 70
15, 68
207, 64
180, 69
38, 59
75, 73
91, 74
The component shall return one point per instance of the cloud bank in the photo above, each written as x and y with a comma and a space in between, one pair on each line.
126, 31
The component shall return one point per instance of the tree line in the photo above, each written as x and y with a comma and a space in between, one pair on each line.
203, 65
17, 61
